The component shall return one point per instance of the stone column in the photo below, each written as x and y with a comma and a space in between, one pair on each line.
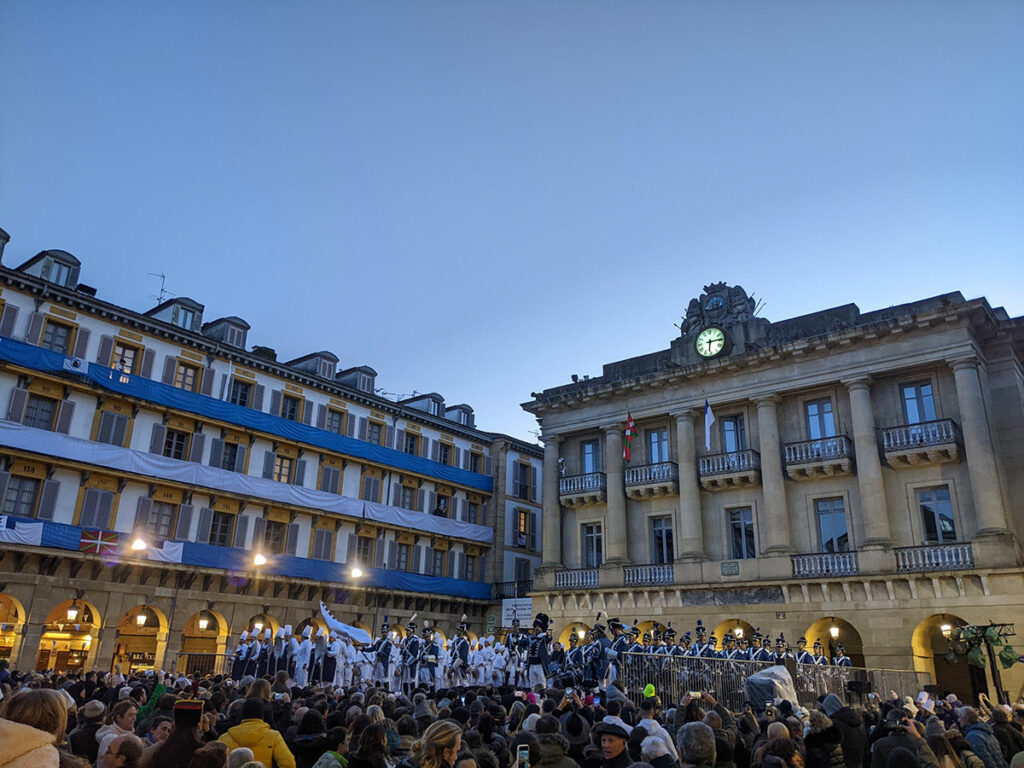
102, 650
774, 517
690, 522
551, 541
615, 536
986, 490
26, 646
873, 506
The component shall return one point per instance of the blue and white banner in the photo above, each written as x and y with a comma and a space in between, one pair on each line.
19, 532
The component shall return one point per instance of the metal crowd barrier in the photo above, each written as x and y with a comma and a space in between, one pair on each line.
674, 676
203, 663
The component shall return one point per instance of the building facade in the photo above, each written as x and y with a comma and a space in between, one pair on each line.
847, 476
166, 485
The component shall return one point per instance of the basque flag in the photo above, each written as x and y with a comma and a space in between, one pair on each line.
98, 542
627, 444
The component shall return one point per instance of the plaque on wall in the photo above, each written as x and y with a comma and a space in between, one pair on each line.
730, 568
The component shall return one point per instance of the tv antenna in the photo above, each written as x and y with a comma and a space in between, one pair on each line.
164, 293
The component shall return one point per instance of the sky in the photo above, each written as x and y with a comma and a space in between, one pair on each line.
482, 198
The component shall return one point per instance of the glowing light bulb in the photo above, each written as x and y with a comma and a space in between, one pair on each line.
139, 544
357, 572
834, 631
259, 559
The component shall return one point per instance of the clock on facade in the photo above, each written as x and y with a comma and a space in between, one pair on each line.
710, 342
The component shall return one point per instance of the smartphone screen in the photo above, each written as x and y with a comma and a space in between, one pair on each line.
597, 701
523, 756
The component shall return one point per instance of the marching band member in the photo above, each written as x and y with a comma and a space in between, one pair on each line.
429, 655
619, 643
841, 659
331, 658
598, 659
263, 658
820, 659
380, 652
303, 653
464, 664
486, 661
252, 655
337, 655
276, 653
537, 659
803, 656
410, 657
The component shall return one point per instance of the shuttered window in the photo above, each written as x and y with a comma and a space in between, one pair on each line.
220, 529
96, 507
21, 495
335, 422
291, 408
125, 357
56, 337
187, 377
240, 392
282, 469
469, 567
113, 428
176, 444
274, 536
161, 519
402, 559
323, 544
40, 412
437, 564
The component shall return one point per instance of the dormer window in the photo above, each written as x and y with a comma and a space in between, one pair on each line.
56, 266
234, 337
326, 369
434, 408
60, 273
180, 311
365, 383
463, 417
186, 318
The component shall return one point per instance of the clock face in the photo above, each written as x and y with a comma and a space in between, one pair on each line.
710, 342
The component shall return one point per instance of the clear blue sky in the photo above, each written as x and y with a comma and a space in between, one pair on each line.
481, 198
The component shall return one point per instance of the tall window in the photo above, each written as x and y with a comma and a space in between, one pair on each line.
402, 558
240, 392
186, 377
60, 273
741, 533
125, 357
820, 419
412, 444
918, 402
282, 469
20, 498
176, 444
472, 511
229, 456
406, 497
590, 459
364, 550
937, 514
657, 446
323, 544
474, 462
186, 318
290, 407
373, 432
832, 531
661, 540
220, 529
469, 567
593, 549
523, 528
437, 564
161, 519
370, 490
40, 412
273, 538
522, 476
444, 453
522, 569
734, 434
335, 422
56, 337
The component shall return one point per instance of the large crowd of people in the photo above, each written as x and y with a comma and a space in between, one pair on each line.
263, 718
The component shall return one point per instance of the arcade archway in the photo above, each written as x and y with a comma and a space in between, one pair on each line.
12, 616
141, 639
68, 637
936, 655
737, 627
577, 628
833, 632
204, 643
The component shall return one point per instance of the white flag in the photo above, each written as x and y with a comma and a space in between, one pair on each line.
709, 419
75, 365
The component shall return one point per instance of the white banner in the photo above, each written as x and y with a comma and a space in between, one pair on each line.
517, 608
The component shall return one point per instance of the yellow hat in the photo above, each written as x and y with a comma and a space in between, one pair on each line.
649, 691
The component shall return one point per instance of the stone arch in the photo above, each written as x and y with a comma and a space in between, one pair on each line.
732, 625
930, 648
316, 623
12, 617
263, 621
202, 650
572, 629
69, 636
845, 634
141, 644
646, 627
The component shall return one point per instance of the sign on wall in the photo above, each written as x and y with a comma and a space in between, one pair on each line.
517, 608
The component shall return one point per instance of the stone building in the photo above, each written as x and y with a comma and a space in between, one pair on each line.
845, 475
166, 485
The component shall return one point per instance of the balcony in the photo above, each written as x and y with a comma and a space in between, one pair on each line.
652, 480
726, 471
582, 490
825, 564
648, 575
934, 557
814, 459
913, 445
578, 578
511, 589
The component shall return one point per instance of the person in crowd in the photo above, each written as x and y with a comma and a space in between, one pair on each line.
212, 755
159, 729
266, 744
853, 733
695, 743
373, 749
334, 756
1009, 735
310, 740
123, 751
613, 738
22, 746
823, 743
438, 746
938, 743
980, 736
82, 740
553, 745
46, 710
239, 757
120, 722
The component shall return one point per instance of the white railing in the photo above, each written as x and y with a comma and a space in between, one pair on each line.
726, 463
934, 557
826, 448
578, 578
648, 474
911, 436
645, 575
825, 564
594, 482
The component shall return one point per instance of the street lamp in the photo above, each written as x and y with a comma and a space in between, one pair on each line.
141, 618
580, 634
204, 622
946, 629
258, 626
259, 559
738, 632
834, 631
72, 612
139, 544
357, 572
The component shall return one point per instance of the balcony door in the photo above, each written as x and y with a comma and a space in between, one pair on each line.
590, 457
734, 434
918, 403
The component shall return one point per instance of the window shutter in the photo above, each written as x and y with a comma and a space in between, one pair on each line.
465, 458
19, 401
389, 437
400, 440
268, 465
392, 555
241, 530
105, 433
483, 513
196, 452
487, 465
81, 342
421, 502
321, 416
48, 499
216, 452
435, 450
142, 511
223, 385
307, 411
4, 479
208, 377
457, 458
329, 479
431, 502
257, 397
65, 411
184, 522
291, 542
35, 328
375, 489
170, 366
240, 459
156, 442
300, 472
259, 533
424, 446
120, 429
452, 557
463, 509
515, 480
205, 525
533, 483
146, 371
7, 320
417, 559
482, 567
350, 552
350, 425
378, 553
362, 429
275, 402
104, 506
533, 531
396, 495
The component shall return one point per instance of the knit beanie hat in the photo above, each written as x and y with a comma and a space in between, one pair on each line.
934, 727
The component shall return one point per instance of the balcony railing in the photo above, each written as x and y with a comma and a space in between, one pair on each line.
593, 482
825, 564
934, 557
648, 575
578, 578
825, 449
649, 474
728, 463
910, 436
511, 589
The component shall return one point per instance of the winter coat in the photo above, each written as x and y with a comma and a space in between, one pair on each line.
900, 738
308, 748
824, 749
331, 760
553, 748
985, 745
107, 734
1010, 739
854, 736
22, 746
266, 744
82, 741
